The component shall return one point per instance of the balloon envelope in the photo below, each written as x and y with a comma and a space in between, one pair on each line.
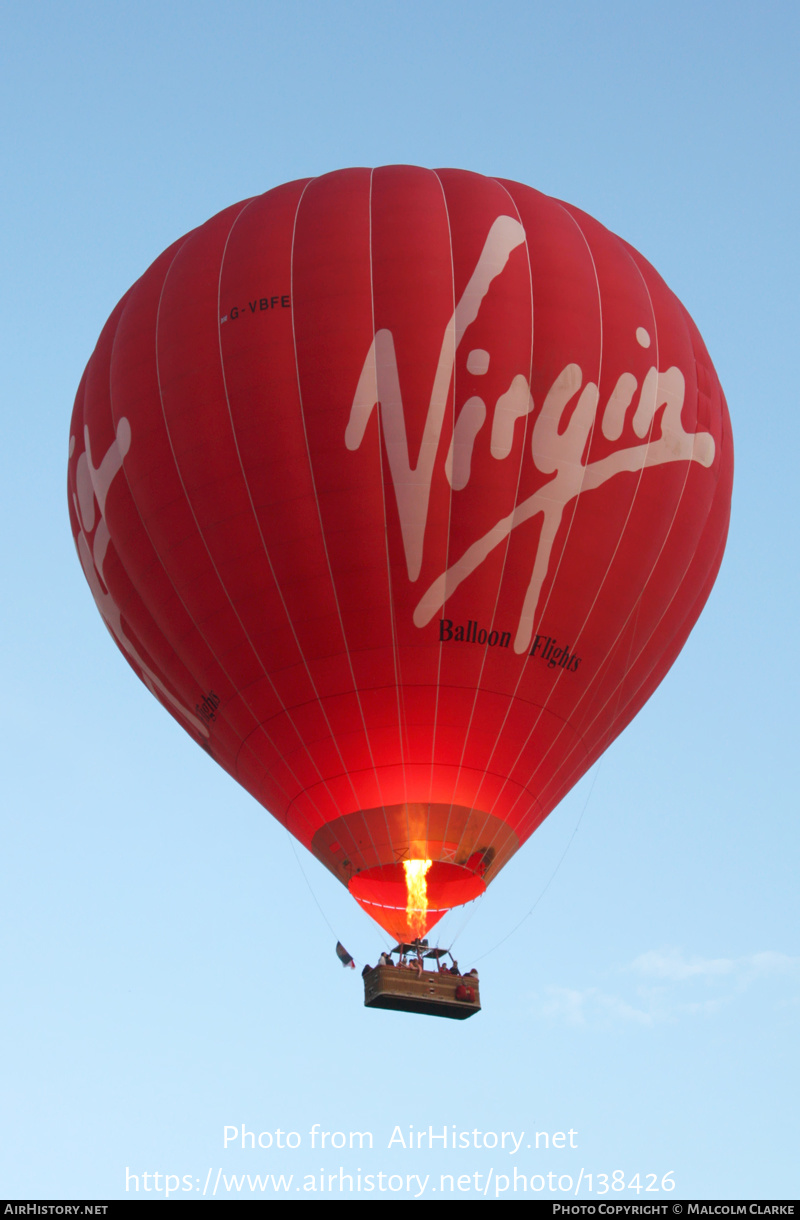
401, 490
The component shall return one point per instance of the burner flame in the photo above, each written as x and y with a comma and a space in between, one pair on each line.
417, 890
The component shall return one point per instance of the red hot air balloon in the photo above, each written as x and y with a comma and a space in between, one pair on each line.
401, 490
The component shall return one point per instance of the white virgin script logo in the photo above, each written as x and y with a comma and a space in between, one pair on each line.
555, 450
92, 484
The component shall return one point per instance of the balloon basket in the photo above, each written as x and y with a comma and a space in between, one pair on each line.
408, 987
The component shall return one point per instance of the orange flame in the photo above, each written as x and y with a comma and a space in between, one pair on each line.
417, 890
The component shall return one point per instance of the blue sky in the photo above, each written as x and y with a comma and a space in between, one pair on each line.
168, 953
